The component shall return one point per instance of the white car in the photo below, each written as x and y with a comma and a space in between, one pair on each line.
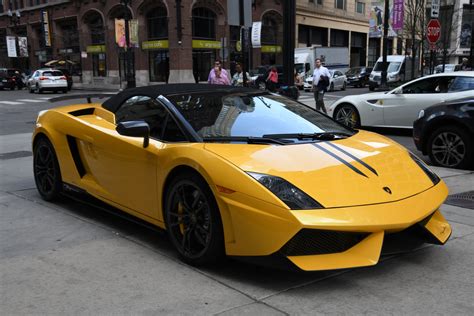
447, 68
338, 80
47, 80
400, 107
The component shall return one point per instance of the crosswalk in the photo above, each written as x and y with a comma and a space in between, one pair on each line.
25, 101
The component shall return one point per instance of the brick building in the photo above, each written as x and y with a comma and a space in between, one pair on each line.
83, 32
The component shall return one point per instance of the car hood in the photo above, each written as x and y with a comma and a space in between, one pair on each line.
363, 169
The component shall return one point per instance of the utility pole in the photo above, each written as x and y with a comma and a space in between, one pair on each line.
383, 83
289, 22
243, 41
471, 53
129, 68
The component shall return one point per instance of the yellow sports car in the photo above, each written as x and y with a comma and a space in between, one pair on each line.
243, 173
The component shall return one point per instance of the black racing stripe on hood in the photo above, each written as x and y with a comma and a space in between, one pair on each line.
340, 159
353, 157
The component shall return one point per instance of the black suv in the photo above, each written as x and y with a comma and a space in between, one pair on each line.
11, 78
358, 76
445, 132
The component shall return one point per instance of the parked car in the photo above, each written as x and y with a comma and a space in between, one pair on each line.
399, 107
68, 77
47, 80
11, 78
445, 132
358, 76
399, 70
337, 81
233, 171
447, 68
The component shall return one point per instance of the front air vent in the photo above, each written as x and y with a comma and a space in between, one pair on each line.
82, 112
72, 142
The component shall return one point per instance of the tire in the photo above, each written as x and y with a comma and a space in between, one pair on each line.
371, 88
198, 219
331, 86
65, 90
451, 147
344, 87
348, 115
46, 170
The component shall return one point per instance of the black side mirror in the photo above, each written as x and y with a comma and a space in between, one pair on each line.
135, 129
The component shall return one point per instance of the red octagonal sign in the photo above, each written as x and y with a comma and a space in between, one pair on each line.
433, 31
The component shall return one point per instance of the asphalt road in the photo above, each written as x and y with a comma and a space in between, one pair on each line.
68, 258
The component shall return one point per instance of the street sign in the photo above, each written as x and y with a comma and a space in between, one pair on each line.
433, 31
435, 8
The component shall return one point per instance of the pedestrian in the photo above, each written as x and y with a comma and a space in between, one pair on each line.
321, 77
212, 74
238, 78
219, 77
272, 79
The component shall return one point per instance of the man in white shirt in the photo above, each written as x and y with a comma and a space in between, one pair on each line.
320, 85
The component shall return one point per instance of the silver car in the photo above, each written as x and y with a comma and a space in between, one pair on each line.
47, 80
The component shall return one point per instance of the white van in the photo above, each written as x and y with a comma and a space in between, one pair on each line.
398, 70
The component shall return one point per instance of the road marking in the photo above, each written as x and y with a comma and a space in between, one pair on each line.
11, 102
30, 100
44, 98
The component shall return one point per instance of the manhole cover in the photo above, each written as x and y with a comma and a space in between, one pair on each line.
15, 154
464, 199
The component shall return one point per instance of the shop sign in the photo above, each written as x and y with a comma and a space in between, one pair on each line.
95, 49
200, 44
46, 32
11, 46
271, 49
163, 44
256, 34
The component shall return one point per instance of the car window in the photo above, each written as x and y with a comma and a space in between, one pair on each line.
143, 108
52, 73
250, 115
429, 85
462, 84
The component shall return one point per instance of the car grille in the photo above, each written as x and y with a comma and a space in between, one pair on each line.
318, 242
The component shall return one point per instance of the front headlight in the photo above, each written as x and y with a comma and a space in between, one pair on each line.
421, 114
433, 176
293, 197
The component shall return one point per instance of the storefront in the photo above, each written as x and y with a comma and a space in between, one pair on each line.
158, 60
99, 61
204, 44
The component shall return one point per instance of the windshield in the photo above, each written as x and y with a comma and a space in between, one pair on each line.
354, 71
251, 115
392, 66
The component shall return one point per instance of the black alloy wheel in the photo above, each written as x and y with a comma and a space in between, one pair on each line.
347, 114
46, 170
451, 146
193, 221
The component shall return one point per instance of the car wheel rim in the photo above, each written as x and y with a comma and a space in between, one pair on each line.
448, 149
347, 116
189, 219
45, 171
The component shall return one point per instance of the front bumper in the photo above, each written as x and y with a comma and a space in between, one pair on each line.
57, 85
336, 238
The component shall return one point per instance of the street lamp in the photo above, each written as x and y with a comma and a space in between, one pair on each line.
383, 79
129, 68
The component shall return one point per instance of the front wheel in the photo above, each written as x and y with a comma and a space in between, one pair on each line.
451, 146
193, 220
347, 114
46, 170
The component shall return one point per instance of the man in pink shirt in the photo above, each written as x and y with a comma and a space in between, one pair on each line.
212, 73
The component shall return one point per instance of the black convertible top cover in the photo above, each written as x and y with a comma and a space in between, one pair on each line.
154, 91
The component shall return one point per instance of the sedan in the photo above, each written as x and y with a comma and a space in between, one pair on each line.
47, 80
337, 81
399, 107
240, 172
445, 132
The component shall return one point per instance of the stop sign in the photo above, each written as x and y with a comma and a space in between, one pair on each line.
433, 31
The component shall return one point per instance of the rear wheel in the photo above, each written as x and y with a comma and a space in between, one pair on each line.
451, 146
193, 221
46, 170
347, 114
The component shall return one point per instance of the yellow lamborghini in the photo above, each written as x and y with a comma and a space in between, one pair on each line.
240, 172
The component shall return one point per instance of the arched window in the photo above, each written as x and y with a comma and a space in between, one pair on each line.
269, 30
96, 28
204, 23
157, 23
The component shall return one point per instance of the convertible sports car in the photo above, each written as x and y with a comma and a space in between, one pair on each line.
399, 108
241, 172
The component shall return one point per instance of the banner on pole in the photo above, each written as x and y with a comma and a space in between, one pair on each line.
46, 31
397, 14
256, 34
11, 46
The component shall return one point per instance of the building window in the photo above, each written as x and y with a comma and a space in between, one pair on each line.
269, 31
99, 65
320, 2
157, 21
159, 66
360, 7
204, 23
96, 28
340, 4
